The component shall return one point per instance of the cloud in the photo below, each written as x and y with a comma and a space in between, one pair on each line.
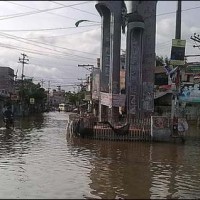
165, 29
165, 32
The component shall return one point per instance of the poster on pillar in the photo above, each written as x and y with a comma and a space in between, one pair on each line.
115, 100
118, 100
178, 52
135, 72
148, 97
106, 99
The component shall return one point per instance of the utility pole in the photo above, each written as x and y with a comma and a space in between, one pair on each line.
42, 82
90, 69
196, 39
48, 89
178, 21
24, 60
175, 102
85, 66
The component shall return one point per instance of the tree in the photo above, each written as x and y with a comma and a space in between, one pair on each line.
73, 98
30, 90
160, 61
167, 60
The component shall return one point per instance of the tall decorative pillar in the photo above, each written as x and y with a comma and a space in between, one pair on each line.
110, 12
134, 78
140, 60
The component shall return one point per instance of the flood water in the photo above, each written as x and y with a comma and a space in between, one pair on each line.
38, 160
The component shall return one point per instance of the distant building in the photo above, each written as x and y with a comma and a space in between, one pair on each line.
56, 97
6, 81
161, 78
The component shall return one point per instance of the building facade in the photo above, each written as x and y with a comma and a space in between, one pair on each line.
56, 97
6, 81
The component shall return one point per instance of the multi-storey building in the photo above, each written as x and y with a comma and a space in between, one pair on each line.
6, 81
56, 97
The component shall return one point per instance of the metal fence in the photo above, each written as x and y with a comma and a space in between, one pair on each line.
139, 129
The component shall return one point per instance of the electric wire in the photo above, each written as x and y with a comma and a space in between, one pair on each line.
65, 35
36, 12
56, 56
48, 29
14, 3
75, 8
32, 42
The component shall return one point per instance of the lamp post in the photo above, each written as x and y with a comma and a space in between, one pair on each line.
23, 60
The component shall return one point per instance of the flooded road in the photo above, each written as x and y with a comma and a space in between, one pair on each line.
37, 160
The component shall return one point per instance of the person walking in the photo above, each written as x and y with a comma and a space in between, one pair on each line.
8, 114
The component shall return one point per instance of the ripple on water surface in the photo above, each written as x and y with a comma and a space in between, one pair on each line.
37, 160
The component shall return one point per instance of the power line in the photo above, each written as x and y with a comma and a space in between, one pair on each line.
37, 77
46, 29
57, 56
32, 42
167, 13
50, 29
64, 6
76, 8
65, 35
36, 12
40, 10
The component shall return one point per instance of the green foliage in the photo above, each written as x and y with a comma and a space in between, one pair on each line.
30, 90
160, 60
74, 98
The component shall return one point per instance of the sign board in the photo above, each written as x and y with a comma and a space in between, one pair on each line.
115, 100
178, 52
160, 128
118, 100
14, 97
106, 99
192, 69
87, 96
190, 93
95, 83
197, 78
32, 101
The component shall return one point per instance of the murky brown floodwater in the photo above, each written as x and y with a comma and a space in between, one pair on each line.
37, 160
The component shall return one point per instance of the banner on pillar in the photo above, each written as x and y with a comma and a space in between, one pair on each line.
106, 99
118, 100
95, 83
115, 100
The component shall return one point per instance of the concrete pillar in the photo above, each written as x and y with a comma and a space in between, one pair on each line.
135, 29
110, 12
144, 99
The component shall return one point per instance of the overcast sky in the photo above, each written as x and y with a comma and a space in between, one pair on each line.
45, 31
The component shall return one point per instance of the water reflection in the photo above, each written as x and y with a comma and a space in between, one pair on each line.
37, 160
140, 170
20, 138
30, 122
173, 175
117, 170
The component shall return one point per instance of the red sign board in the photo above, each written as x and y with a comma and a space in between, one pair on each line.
14, 97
